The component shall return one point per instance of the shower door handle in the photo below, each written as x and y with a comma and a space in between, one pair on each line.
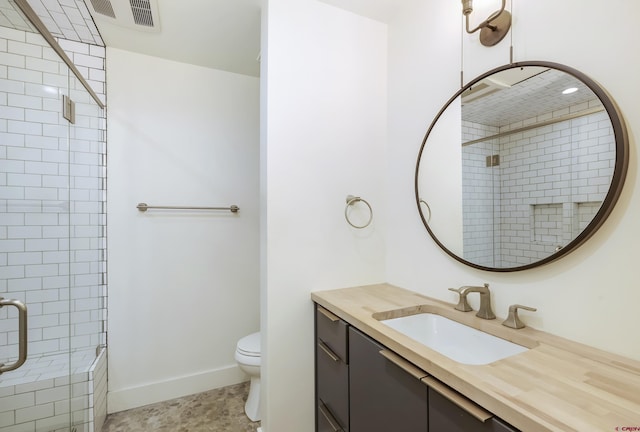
22, 334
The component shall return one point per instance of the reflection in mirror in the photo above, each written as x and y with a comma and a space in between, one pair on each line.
518, 165
11, 16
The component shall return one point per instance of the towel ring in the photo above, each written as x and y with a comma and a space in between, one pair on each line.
428, 208
352, 200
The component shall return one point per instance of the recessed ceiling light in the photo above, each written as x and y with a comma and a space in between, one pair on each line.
570, 90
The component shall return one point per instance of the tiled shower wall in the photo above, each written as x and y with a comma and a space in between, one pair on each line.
52, 227
480, 192
550, 180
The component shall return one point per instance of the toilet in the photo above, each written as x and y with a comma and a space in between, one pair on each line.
248, 358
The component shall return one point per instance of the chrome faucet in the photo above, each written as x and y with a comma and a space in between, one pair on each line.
485, 311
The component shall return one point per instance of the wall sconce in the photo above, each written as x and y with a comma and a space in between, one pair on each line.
494, 28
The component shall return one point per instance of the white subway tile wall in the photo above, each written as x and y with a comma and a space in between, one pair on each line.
10, 16
548, 186
98, 393
67, 19
480, 190
58, 396
52, 235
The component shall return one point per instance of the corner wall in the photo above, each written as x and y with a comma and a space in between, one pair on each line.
183, 285
323, 137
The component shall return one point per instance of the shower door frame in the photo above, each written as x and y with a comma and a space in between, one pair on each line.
78, 417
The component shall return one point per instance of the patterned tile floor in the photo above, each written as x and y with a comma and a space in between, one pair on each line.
220, 410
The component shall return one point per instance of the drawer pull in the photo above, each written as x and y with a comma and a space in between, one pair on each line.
327, 415
328, 351
409, 368
455, 397
328, 314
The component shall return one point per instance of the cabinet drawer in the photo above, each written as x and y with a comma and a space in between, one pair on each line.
446, 416
332, 385
327, 421
500, 425
449, 411
333, 332
384, 397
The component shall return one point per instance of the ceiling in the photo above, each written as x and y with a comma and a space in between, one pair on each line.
225, 35
538, 92
379, 10
218, 34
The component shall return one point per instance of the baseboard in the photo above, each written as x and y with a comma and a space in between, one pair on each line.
135, 397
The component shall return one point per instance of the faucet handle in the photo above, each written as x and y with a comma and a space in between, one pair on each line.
513, 320
463, 304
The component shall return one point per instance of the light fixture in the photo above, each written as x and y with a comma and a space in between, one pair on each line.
569, 90
494, 28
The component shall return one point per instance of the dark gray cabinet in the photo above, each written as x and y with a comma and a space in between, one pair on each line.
447, 416
332, 372
502, 426
383, 397
363, 387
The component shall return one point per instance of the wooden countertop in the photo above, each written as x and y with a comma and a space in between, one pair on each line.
557, 385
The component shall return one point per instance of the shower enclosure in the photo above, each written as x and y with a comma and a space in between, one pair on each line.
52, 238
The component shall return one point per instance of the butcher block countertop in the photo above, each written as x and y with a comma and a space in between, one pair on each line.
557, 385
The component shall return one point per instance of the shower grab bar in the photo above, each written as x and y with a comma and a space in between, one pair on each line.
143, 207
22, 334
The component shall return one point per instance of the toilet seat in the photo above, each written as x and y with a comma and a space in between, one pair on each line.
249, 345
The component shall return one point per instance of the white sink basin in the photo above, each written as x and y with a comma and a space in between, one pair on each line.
457, 341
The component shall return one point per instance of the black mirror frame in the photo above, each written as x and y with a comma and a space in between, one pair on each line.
617, 181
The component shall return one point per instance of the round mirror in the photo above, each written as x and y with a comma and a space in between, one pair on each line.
521, 166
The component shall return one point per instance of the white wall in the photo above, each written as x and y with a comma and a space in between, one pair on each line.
312, 78
592, 294
323, 137
183, 286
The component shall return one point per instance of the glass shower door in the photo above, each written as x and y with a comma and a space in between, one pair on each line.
34, 233
87, 257
34, 224
51, 243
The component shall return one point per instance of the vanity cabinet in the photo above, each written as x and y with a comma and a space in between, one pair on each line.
447, 415
332, 372
383, 396
361, 386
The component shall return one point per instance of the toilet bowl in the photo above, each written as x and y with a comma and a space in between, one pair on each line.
248, 358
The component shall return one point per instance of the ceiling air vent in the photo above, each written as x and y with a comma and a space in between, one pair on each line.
140, 15
103, 7
484, 88
141, 10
